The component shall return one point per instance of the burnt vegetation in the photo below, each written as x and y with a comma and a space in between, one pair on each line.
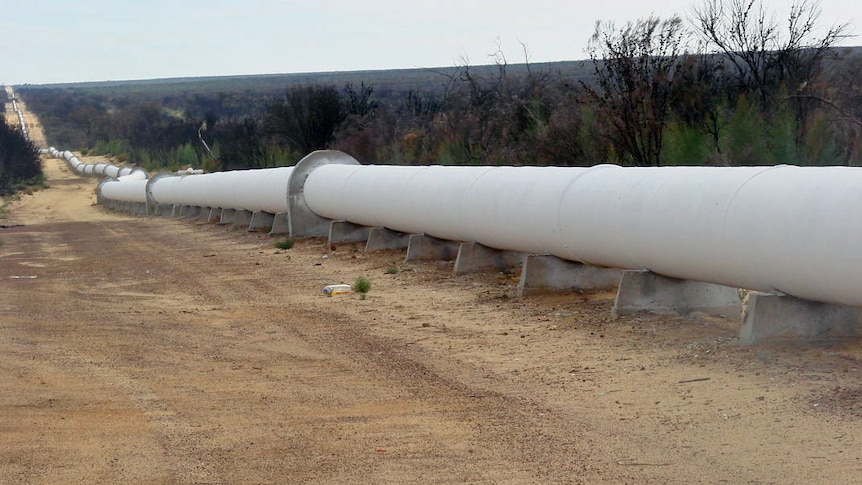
20, 166
727, 84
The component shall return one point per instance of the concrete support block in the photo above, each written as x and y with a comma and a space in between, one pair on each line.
214, 215
380, 238
280, 224
261, 222
546, 273
645, 291
423, 248
139, 208
474, 257
226, 216
347, 232
780, 318
303, 222
192, 212
241, 219
164, 210
204, 214
183, 211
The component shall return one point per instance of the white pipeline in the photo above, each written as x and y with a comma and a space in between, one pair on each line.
101, 169
250, 190
789, 229
795, 230
130, 190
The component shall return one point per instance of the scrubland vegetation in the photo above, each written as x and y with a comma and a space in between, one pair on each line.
726, 85
20, 166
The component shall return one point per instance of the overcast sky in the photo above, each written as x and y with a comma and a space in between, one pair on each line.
59, 41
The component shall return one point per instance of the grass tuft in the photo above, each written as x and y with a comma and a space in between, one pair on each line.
361, 286
286, 244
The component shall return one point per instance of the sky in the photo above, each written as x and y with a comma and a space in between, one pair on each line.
63, 41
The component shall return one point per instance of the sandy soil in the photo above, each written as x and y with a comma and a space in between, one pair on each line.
160, 351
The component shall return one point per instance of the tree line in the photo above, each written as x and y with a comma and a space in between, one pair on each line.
20, 165
729, 85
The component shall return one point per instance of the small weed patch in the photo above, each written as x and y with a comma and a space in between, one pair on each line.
286, 244
361, 286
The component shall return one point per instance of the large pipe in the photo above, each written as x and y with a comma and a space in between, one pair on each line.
111, 171
97, 169
126, 173
131, 190
251, 190
788, 229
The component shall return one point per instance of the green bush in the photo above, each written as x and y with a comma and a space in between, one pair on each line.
685, 145
186, 156
286, 244
361, 286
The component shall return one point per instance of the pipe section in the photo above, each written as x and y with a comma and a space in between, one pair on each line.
132, 190
251, 190
793, 230
789, 229
22, 125
101, 169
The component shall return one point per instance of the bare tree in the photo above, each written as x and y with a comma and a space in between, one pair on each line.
636, 69
764, 55
492, 110
359, 102
306, 117
701, 96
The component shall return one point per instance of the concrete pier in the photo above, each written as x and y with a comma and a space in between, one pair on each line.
546, 273
227, 216
347, 232
138, 208
280, 224
780, 318
474, 257
204, 214
213, 215
261, 221
645, 291
380, 238
424, 248
164, 210
241, 219
192, 212
303, 222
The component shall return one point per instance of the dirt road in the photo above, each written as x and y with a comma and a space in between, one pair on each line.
151, 350
34, 128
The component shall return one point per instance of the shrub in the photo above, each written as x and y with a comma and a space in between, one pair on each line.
361, 286
286, 244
